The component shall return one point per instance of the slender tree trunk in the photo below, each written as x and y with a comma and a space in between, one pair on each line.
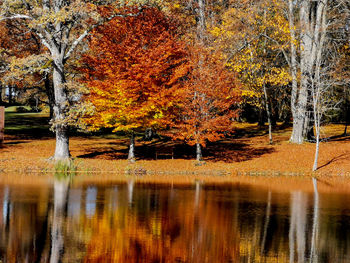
3, 94
50, 95
261, 121
131, 156
202, 20
10, 94
268, 114
60, 110
317, 85
1, 97
315, 166
199, 156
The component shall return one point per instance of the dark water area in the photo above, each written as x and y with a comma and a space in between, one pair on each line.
160, 223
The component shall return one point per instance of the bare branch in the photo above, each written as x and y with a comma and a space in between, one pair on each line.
16, 16
87, 31
283, 51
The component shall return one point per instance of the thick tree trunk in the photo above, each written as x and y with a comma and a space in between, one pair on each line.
62, 143
60, 109
199, 156
131, 156
311, 16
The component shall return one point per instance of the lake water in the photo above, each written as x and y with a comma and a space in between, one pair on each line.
129, 222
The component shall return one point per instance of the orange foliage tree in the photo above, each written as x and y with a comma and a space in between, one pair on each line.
210, 96
133, 72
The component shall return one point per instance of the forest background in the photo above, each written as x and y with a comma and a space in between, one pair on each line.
192, 71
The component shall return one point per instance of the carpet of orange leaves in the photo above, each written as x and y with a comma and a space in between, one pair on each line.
242, 155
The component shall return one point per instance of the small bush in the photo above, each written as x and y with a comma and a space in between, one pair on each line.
66, 168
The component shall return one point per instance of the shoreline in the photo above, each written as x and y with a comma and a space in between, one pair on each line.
326, 184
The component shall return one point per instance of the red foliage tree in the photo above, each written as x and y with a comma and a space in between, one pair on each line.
210, 97
134, 71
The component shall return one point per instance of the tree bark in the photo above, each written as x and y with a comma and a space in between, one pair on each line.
50, 94
317, 85
199, 156
10, 94
131, 156
1, 97
60, 109
268, 114
201, 22
310, 46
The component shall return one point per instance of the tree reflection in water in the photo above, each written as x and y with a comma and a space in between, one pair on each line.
153, 223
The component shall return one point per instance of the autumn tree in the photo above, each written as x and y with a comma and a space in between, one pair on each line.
311, 17
254, 39
133, 72
209, 103
61, 26
27, 66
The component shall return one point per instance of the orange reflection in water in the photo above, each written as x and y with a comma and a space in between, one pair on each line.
194, 229
153, 223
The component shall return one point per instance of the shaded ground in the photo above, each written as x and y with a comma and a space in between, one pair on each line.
29, 144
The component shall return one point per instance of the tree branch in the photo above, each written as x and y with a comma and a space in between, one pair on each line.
283, 51
87, 31
16, 16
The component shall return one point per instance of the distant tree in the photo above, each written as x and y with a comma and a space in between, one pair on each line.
254, 38
25, 64
134, 71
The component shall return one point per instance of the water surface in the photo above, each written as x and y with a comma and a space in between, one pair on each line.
163, 223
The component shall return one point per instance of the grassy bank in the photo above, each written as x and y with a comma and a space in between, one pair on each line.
29, 144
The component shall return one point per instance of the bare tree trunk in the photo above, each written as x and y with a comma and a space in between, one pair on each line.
60, 110
10, 94
315, 166
131, 156
317, 85
50, 94
310, 27
300, 97
199, 156
268, 114
346, 116
201, 22
3, 93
